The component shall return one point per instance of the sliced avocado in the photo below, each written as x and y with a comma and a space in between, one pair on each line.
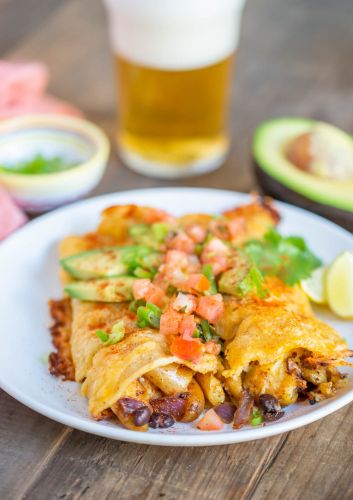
270, 145
231, 279
103, 290
111, 261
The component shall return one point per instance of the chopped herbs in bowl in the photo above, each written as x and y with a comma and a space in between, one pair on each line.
49, 160
38, 164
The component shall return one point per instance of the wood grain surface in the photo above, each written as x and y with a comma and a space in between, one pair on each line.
295, 58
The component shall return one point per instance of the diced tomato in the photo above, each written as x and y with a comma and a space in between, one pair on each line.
190, 350
212, 347
187, 326
181, 242
197, 233
216, 253
210, 307
155, 295
176, 258
217, 246
198, 282
140, 288
210, 422
184, 302
160, 279
145, 289
170, 322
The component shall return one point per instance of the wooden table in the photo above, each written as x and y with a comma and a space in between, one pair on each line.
295, 59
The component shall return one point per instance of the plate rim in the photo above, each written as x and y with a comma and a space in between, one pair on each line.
159, 438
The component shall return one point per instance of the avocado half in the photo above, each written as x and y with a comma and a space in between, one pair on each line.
281, 179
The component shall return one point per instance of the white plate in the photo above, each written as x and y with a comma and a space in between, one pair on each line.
28, 278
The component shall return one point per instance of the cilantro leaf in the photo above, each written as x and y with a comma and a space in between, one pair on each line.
287, 257
253, 280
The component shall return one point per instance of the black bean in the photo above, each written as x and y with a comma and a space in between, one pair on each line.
270, 408
169, 405
243, 413
161, 421
225, 411
141, 416
129, 405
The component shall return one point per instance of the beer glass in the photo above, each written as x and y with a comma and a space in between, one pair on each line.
173, 61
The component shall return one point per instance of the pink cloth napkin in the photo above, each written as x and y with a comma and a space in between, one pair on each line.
11, 216
22, 91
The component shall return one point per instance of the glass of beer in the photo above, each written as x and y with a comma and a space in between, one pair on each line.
173, 63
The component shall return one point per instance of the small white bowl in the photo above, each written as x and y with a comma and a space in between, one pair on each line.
73, 139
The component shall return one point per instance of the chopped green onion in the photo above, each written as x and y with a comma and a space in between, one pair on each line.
197, 333
205, 331
117, 334
153, 308
160, 231
207, 271
141, 260
102, 335
256, 418
138, 230
148, 316
139, 272
134, 304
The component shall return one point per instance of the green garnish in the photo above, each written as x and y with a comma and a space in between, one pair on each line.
139, 272
253, 280
102, 335
152, 235
38, 165
148, 315
242, 279
160, 231
256, 418
138, 230
208, 331
207, 271
205, 331
141, 261
117, 334
135, 304
287, 257
198, 248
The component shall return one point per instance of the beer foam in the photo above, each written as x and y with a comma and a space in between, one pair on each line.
174, 34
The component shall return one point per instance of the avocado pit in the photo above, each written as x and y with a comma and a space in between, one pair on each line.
324, 151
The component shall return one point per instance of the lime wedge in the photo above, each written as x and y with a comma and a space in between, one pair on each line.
339, 285
314, 286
